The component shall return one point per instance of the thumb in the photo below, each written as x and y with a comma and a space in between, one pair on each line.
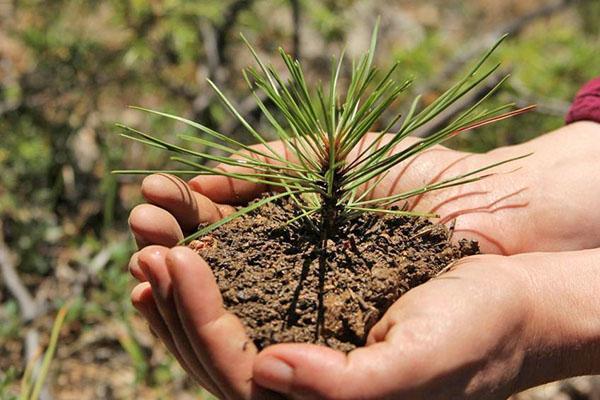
315, 372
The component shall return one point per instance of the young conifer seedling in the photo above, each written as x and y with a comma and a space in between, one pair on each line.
324, 173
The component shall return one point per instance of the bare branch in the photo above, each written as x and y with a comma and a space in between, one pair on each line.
214, 39
229, 19
27, 305
479, 44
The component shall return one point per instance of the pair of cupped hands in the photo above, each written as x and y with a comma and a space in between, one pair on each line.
524, 312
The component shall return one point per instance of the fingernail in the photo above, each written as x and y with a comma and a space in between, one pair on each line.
152, 278
146, 270
275, 374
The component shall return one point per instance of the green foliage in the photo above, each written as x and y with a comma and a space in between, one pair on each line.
134, 350
9, 329
8, 379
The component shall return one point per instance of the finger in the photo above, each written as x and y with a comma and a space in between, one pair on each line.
152, 262
134, 268
223, 189
143, 301
153, 225
316, 372
407, 175
189, 208
218, 337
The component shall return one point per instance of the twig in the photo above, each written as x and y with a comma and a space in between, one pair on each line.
479, 44
214, 39
211, 49
229, 19
27, 305
209, 39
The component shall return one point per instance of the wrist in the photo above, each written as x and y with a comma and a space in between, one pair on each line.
562, 338
583, 127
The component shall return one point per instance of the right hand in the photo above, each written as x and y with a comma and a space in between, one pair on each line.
547, 204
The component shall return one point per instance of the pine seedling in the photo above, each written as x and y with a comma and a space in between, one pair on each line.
324, 170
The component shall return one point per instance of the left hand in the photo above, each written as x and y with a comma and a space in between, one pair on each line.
490, 327
463, 335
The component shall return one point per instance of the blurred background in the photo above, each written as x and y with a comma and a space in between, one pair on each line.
68, 70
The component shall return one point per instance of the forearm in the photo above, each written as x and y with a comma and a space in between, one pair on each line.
564, 333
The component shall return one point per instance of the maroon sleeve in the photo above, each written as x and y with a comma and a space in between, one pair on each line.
586, 106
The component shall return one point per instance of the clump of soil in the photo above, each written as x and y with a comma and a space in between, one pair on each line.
268, 272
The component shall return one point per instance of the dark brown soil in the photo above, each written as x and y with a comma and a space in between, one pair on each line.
268, 272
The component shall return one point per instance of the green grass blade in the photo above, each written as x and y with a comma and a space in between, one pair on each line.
49, 354
156, 171
210, 132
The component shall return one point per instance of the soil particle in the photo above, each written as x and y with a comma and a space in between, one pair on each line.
268, 272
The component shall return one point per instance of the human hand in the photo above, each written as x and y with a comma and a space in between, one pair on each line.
154, 225
540, 203
426, 347
491, 326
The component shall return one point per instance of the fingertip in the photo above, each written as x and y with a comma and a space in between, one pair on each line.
136, 216
225, 210
273, 373
154, 185
216, 188
197, 184
293, 367
195, 288
173, 194
297, 354
135, 269
141, 294
207, 210
180, 261
153, 225
183, 257
153, 263
151, 254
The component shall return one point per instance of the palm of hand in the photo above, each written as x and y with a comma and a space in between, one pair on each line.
182, 303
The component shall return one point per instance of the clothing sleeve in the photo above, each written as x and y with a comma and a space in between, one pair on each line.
586, 105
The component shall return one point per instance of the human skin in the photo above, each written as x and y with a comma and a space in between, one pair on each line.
493, 325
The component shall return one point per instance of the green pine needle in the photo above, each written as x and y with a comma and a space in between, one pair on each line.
321, 127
